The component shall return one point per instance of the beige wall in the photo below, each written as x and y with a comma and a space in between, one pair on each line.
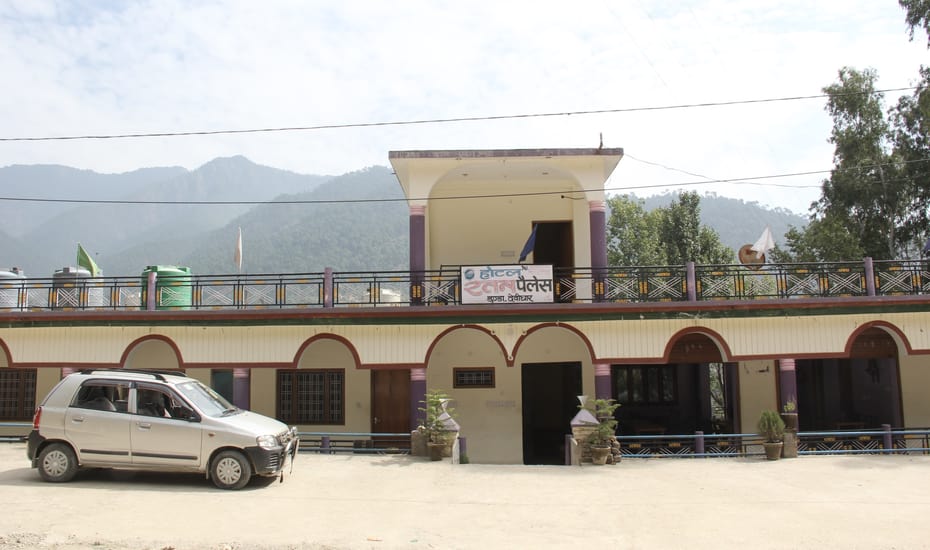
757, 392
490, 418
203, 375
459, 236
915, 386
152, 354
331, 354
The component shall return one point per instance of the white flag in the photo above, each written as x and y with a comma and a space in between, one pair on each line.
764, 244
238, 257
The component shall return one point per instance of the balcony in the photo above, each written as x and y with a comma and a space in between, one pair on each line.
329, 289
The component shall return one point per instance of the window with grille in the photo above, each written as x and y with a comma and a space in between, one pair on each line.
482, 377
645, 384
311, 396
17, 393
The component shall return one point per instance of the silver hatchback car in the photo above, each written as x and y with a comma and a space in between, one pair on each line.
153, 420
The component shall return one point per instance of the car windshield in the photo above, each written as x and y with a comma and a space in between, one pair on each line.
208, 401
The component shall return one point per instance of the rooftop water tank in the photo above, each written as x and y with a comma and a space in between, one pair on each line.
73, 287
173, 286
13, 291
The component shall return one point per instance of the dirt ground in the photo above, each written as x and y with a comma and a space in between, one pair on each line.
388, 502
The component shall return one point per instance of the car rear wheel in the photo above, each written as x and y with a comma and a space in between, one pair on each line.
230, 470
57, 463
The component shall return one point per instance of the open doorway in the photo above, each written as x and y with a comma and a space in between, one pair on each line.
550, 401
554, 244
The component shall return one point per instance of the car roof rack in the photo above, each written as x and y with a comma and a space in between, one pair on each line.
157, 374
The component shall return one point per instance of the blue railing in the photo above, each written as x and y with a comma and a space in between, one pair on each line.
354, 442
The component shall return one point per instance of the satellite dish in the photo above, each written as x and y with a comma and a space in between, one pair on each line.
750, 258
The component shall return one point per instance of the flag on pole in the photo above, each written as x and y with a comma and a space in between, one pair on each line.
84, 260
764, 244
530, 244
238, 256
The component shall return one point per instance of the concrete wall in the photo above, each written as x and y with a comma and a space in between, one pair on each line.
491, 418
757, 391
915, 386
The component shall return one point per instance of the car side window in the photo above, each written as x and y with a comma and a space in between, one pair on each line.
151, 401
102, 396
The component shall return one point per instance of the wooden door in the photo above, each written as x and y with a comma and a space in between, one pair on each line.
390, 406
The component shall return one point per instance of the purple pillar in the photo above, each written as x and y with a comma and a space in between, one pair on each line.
417, 395
597, 215
150, 298
691, 282
789, 385
417, 252
242, 388
869, 277
602, 382
328, 287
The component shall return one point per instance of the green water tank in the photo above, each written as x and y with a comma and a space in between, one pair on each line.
173, 286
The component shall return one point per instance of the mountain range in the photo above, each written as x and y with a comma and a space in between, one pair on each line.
291, 223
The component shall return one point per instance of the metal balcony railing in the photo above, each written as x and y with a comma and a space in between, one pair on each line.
443, 287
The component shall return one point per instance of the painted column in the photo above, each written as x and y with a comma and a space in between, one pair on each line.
417, 395
602, 382
242, 388
788, 383
597, 214
417, 252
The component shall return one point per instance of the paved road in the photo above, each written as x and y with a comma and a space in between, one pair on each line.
390, 502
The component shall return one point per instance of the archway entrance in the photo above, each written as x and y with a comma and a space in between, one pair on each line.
550, 400
858, 392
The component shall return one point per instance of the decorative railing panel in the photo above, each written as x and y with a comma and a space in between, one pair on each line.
443, 287
902, 278
645, 284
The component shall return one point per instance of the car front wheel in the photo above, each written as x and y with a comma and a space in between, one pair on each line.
57, 463
230, 470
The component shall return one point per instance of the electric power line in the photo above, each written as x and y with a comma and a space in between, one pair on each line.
739, 181
445, 120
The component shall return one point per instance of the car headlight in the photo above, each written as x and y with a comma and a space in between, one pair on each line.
267, 441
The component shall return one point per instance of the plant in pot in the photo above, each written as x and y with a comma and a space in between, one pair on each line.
437, 419
789, 413
604, 430
772, 429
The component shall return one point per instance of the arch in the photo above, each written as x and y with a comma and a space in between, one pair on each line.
429, 352
900, 340
570, 328
7, 356
135, 344
714, 337
327, 336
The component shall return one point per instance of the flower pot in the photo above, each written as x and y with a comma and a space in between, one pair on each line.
599, 455
435, 450
772, 449
791, 421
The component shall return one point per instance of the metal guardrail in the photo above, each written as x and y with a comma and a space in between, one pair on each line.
25, 426
442, 287
697, 445
354, 442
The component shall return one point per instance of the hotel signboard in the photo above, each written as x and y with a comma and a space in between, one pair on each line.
507, 284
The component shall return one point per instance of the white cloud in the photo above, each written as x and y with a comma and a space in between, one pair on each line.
77, 68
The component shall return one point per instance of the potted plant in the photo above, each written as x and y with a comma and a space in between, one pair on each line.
605, 429
789, 413
438, 423
772, 429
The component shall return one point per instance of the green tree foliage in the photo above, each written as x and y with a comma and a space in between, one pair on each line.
911, 137
864, 193
671, 235
917, 14
632, 233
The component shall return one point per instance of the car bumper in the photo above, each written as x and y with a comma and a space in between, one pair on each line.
271, 462
33, 444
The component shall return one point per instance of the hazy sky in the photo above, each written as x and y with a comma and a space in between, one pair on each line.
110, 67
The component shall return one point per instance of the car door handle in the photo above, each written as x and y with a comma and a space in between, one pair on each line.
77, 419
144, 425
